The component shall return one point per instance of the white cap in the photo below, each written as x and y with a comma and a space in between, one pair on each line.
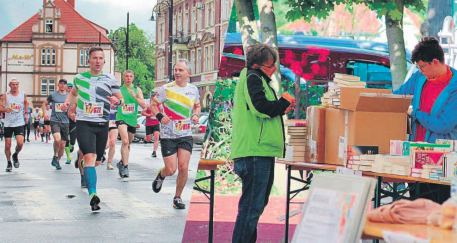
13, 79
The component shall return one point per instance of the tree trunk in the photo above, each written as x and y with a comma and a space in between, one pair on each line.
248, 26
269, 35
394, 30
437, 11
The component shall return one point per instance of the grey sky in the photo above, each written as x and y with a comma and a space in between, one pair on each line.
110, 14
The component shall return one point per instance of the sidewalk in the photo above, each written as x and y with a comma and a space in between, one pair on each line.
270, 228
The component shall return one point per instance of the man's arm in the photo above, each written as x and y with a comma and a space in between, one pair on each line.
156, 112
43, 107
71, 98
145, 113
2, 104
408, 87
72, 112
444, 123
196, 114
26, 108
140, 98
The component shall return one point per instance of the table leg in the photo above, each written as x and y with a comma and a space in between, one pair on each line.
211, 207
286, 236
378, 192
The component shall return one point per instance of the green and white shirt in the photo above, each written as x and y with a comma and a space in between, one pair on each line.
93, 104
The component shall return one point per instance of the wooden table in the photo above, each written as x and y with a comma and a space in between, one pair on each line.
435, 234
379, 193
211, 165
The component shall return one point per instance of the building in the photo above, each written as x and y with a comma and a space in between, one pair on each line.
51, 45
199, 29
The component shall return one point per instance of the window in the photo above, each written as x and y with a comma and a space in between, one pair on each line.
180, 23
225, 9
193, 19
48, 56
198, 60
207, 16
192, 60
83, 57
174, 23
211, 14
211, 58
200, 19
48, 26
371, 72
186, 23
47, 85
206, 60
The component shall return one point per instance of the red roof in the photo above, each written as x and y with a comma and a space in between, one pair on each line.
78, 29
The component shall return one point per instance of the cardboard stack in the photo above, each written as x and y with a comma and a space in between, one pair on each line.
296, 149
388, 164
315, 119
331, 97
366, 162
345, 80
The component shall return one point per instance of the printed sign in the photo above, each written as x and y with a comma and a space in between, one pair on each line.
181, 126
93, 109
128, 108
16, 107
58, 107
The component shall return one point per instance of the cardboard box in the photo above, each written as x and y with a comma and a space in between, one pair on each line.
316, 134
349, 96
375, 120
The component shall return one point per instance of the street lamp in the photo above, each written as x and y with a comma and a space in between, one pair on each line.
116, 39
157, 8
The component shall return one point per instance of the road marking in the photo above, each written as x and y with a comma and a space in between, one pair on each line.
37, 206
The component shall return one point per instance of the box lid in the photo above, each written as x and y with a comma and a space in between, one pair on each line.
383, 103
350, 95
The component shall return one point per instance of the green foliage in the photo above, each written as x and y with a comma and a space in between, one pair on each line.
315, 93
141, 55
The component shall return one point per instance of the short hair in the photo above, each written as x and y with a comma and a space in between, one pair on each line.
427, 49
189, 66
128, 71
94, 48
260, 53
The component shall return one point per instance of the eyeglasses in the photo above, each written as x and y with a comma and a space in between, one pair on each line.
269, 67
423, 66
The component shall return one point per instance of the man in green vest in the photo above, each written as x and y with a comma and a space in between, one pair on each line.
257, 136
126, 119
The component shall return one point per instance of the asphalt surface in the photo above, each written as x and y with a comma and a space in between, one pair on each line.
41, 204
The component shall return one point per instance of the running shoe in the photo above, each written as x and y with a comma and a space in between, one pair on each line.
178, 204
28, 140
125, 172
83, 183
35, 137
71, 148
15, 161
68, 161
154, 155
58, 167
94, 202
103, 158
120, 166
157, 184
9, 167
54, 161
109, 166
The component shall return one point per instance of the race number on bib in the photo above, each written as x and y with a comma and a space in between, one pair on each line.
112, 123
16, 107
128, 108
93, 109
58, 107
181, 127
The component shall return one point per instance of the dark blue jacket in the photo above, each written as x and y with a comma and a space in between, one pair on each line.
442, 120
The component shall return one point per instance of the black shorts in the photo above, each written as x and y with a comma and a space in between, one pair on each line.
111, 128
35, 125
92, 137
130, 129
62, 128
151, 129
169, 146
41, 125
17, 131
47, 123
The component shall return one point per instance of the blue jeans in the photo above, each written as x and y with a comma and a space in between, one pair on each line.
257, 175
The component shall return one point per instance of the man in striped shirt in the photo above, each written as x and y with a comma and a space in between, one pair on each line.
94, 93
181, 107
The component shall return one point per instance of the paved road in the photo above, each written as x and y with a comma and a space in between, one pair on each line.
41, 204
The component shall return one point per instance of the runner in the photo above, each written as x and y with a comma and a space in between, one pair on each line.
152, 127
94, 92
126, 119
14, 103
112, 137
181, 105
79, 163
41, 125
47, 126
36, 121
28, 124
58, 121
72, 133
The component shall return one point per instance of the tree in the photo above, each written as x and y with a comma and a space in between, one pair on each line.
437, 11
141, 56
392, 10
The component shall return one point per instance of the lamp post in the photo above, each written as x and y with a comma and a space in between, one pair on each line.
116, 39
169, 6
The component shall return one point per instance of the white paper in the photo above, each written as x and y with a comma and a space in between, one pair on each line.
401, 237
341, 148
328, 213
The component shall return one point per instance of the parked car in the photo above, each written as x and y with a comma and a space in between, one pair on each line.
198, 130
140, 129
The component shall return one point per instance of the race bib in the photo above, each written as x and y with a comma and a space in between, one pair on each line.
93, 109
112, 123
58, 107
16, 107
128, 108
181, 127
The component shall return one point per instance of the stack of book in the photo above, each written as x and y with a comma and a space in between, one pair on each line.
346, 80
432, 172
297, 140
366, 162
331, 97
353, 162
397, 165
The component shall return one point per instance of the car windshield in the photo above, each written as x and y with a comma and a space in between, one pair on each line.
203, 119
